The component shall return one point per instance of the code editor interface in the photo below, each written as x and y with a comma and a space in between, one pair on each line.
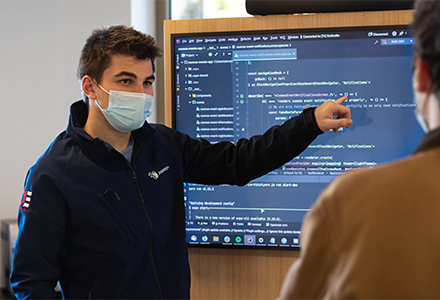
229, 87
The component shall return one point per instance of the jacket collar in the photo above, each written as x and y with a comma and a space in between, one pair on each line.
430, 140
79, 112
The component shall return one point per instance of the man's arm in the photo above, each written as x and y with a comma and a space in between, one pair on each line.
40, 242
226, 163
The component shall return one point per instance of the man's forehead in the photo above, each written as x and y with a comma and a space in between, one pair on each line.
122, 63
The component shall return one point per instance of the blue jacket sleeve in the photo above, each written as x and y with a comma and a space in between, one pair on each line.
40, 242
251, 158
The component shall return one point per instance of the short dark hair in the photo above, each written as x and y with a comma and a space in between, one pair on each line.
426, 33
110, 40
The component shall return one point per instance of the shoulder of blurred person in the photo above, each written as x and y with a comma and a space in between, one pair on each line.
373, 233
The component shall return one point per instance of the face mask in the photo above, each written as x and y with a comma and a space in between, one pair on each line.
420, 107
421, 121
127, 111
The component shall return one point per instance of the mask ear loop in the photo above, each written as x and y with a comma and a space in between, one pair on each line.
418, 111
96, 100
100, 86
425, 102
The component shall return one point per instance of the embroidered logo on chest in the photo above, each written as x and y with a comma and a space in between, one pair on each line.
155, 175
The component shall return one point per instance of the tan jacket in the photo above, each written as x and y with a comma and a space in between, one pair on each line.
374, 233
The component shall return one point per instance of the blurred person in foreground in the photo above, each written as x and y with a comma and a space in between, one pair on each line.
375, 233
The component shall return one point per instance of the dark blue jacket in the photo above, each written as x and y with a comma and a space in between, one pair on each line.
106, 229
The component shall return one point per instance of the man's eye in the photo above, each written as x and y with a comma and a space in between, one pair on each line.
125, 81
148, 83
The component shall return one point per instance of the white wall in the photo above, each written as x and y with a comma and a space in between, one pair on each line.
40, 43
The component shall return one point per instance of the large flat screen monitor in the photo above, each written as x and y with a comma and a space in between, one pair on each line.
233, 85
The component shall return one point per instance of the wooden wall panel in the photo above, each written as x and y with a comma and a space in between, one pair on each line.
238, 273
249, 273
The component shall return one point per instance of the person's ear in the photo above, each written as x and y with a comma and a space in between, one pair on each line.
88, 88
423, 82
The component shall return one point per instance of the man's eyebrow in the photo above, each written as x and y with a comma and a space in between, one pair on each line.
124, 73
129, 74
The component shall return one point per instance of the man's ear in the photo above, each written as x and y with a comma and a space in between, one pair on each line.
87, 87
422, 77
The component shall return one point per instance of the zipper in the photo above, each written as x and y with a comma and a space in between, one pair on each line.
150, 225
150, 244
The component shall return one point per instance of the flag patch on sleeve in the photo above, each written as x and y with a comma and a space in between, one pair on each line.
25, 201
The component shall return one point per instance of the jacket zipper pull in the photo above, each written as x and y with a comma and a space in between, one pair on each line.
135, 179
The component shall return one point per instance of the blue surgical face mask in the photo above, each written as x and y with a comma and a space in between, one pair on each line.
418, 111
127, 111
421, 121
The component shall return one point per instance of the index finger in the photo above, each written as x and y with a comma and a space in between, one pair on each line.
340, 100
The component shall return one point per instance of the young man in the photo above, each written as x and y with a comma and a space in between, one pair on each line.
103, 211
375, 234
